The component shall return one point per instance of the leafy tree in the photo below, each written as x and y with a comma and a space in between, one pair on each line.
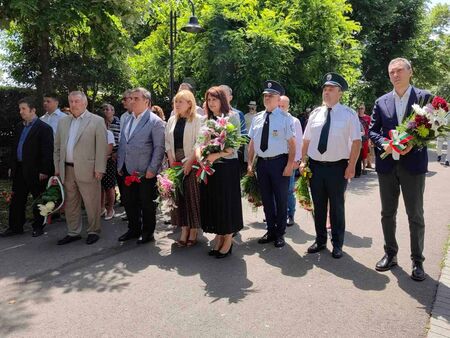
389, 28
44, 34
249, 41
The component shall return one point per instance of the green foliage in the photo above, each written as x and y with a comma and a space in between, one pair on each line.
249, 41
389, 28
68, 44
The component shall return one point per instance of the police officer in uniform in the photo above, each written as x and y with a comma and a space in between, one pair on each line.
272, 139
332, 141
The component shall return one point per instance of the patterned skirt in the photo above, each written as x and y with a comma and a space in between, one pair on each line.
187, 212
109, 179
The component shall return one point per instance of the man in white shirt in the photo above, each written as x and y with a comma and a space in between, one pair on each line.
284, 105
52, 113
332, 141
80, 161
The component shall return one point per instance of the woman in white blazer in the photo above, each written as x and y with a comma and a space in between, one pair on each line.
181, 134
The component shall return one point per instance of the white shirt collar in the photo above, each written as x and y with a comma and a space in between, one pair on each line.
140, 115
81, 116
405, 96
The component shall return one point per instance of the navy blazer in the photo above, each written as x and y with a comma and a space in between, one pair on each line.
384, 119
37, 152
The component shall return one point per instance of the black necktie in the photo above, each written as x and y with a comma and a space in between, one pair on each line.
265, 133
323, 140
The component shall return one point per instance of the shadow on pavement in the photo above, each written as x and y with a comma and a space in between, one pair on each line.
424, 292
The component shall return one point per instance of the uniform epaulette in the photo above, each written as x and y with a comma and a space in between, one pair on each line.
347, 108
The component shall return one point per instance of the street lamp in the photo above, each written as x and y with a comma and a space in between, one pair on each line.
191, 27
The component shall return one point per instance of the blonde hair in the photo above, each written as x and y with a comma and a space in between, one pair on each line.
189, 97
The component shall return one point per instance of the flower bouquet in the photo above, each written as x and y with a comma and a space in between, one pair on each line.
51, 200
170, 184
250, 189
135, 177
427, 123
215, 136
302, 189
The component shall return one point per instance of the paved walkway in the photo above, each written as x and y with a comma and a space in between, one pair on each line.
113, 290
440, 315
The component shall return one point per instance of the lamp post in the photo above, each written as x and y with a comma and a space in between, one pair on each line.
191, 27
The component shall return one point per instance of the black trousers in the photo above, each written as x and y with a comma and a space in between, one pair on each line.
140, 206
328, 185
412, 188
274, 193
21, 188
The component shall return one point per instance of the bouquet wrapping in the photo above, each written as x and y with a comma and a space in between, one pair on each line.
425, 124
51, 200
215, 136
170, 185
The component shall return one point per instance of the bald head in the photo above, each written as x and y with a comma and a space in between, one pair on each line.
284, 103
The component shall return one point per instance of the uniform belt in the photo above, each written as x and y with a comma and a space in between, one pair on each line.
273, 157
327, 163
68, 164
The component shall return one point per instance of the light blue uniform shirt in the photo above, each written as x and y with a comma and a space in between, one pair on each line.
281, 129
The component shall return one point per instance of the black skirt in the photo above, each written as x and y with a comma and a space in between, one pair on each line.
220, 199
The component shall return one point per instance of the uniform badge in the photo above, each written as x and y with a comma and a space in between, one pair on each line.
269, 85
329, 77
275, 133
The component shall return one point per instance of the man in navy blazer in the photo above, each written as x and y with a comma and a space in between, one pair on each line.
406, 174
31, 165
141, 151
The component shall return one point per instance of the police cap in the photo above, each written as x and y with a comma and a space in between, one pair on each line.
334, 79
273, 87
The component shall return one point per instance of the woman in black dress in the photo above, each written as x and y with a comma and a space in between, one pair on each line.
220, 198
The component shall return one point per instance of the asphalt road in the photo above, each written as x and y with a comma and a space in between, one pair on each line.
113, 290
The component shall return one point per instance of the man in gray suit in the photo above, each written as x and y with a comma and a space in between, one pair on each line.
141, 151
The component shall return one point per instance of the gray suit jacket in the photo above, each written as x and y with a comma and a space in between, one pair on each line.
144, 150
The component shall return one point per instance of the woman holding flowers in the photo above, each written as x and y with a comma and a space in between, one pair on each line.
220, 194
181, 133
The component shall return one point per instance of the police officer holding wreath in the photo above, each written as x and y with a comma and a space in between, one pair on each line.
272, 139
332, 141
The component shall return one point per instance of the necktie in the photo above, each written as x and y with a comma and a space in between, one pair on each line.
323, 140
265, 133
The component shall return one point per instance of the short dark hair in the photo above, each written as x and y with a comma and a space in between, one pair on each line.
29, 101
53, 96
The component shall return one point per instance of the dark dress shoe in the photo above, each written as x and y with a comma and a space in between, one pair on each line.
223, 255
267, 238
127, 236
92, 238
337, 253
418, 274
37, 232
386, 263
213, 252
316, 248
10, 232
68, 239
279, 242
144, 240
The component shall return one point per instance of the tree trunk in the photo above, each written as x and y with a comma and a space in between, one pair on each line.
43, 84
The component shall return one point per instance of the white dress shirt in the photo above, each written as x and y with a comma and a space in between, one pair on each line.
344, 129
401, 103
298, 139
281, 130
134, 122
52, 119
73, 132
